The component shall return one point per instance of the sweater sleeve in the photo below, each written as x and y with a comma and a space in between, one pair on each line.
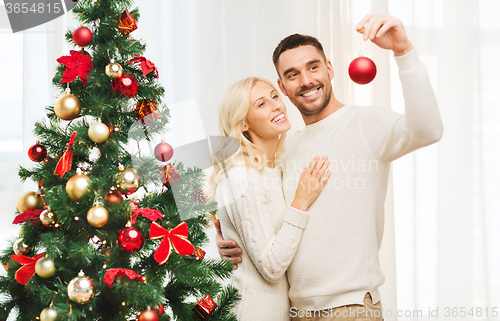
390, 135
250, 213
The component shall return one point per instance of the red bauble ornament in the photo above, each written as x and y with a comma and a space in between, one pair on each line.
113, 196
37, 152
130, 239
163, 152
126, 85
148, 315
362, 70
82, 36
159, 309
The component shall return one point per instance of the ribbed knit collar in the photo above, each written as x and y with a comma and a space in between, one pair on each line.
326, 121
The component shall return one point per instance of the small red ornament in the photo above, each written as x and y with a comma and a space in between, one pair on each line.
362, 70
146, 111
205, 307
130, 239
113, 196
126, 85
37, 152
82, 36
127, 22
163, 152
160, 309
148, 315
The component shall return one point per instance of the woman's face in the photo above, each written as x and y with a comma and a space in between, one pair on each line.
266, 116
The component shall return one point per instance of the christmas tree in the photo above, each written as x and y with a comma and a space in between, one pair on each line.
90, 248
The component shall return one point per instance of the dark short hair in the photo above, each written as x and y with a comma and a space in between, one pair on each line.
294, 41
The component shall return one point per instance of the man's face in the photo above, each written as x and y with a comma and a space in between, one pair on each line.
306, 79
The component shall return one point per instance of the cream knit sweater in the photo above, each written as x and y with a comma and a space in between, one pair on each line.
337, 261
253, 213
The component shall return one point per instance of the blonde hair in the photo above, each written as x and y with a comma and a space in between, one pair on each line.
232, 114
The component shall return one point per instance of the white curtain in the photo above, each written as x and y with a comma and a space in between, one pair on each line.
439, 243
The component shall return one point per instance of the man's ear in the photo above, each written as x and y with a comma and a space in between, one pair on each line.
282, 87
329, 67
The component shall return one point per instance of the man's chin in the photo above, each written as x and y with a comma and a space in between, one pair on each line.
309, 110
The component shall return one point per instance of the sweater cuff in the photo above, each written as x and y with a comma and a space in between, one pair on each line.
408, 61
296, 217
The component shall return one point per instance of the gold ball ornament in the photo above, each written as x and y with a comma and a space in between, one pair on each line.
127, 181
98, 133
47, 217
114, 70
48, 314
78, 186
68, 106
29, 201
97, 216
20, 247
81, 289
45, 267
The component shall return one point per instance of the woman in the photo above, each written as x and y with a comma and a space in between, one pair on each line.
248, 189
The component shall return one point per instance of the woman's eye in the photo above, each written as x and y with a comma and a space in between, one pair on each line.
262, 104
275, 96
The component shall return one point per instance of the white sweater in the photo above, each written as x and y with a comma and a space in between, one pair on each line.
268, 232
337, 261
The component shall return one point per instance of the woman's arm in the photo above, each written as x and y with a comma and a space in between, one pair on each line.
252, 218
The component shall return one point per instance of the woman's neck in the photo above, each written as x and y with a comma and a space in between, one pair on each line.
269, 146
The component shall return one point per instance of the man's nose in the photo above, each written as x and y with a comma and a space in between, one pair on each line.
305, 79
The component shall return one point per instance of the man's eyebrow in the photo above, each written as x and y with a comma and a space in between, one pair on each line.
289, 70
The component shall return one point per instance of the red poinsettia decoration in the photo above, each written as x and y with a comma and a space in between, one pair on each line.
25, 272
153, 215
111, 274
77, 64
177, 236
29, 215
146, 65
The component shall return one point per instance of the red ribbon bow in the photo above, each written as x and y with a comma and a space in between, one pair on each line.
32, 215
153, 215
77, 64
146, 65
25, 272
177, 236
111, 274
64, 164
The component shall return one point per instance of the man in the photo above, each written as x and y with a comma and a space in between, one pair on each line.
336, 273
